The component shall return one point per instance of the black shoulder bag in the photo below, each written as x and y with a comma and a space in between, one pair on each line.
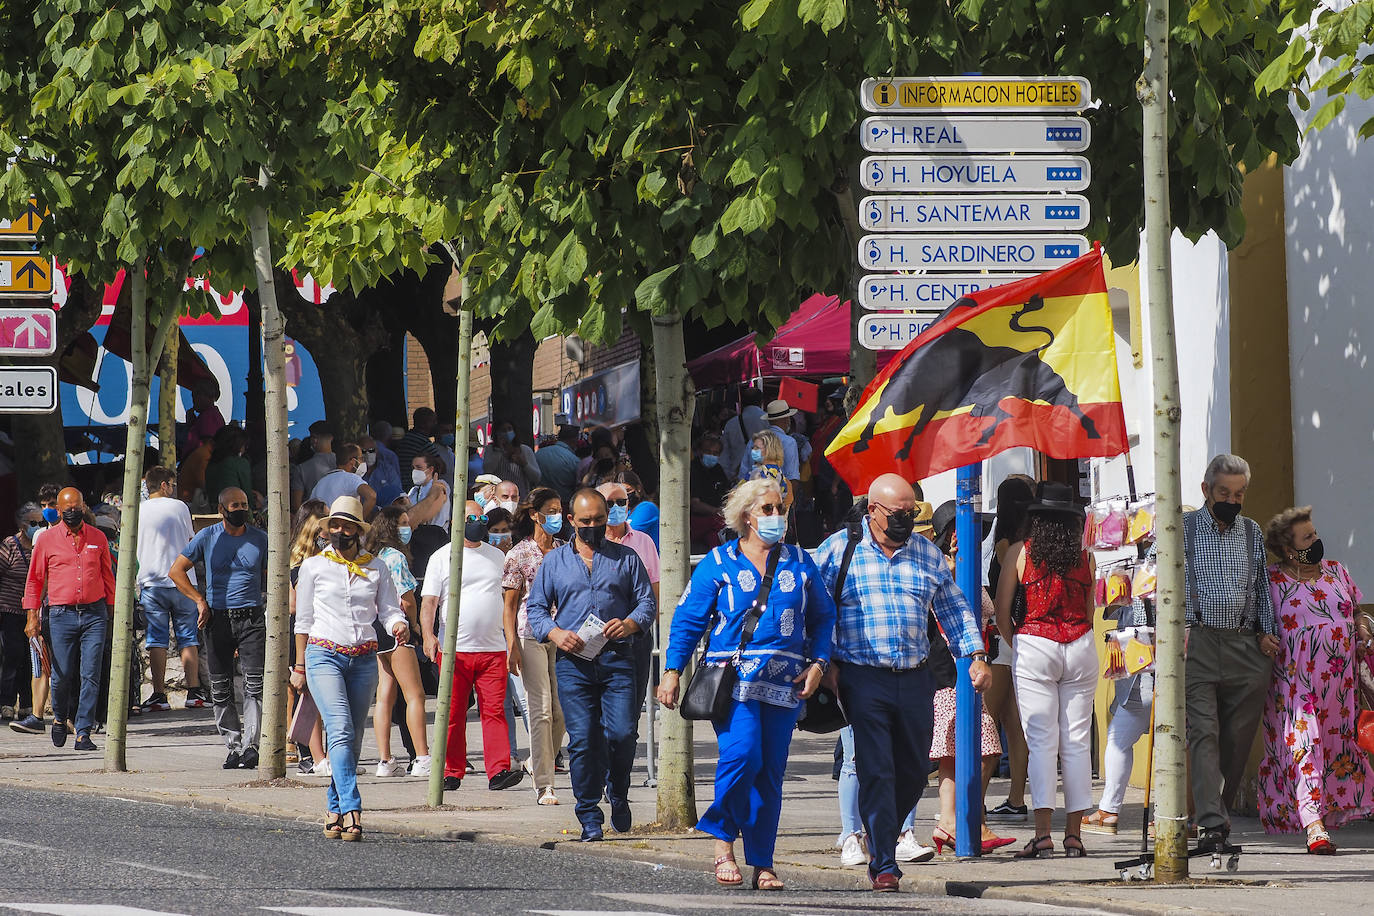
824, 713
712, 687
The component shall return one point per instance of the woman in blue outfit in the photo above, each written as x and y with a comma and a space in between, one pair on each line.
781, 665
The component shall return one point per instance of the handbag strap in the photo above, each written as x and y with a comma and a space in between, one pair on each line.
751, 618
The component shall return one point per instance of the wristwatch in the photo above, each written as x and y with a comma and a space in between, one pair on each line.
979, 657
821, 664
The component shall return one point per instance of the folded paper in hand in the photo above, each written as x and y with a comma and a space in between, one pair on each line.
593, 640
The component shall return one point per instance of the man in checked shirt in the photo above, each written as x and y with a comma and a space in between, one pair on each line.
890, 587
1231, 644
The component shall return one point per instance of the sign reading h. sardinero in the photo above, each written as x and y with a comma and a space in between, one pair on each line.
976, 93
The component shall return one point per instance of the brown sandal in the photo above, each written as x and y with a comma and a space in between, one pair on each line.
354, 831
334, 826
728, 876
1101, 822
770, 883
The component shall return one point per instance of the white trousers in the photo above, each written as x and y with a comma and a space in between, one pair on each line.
1129, 724
1054, 691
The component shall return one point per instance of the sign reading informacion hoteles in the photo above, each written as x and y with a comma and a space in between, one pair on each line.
943, 174
975, 134
957, 212
24, 273
28, 332
927, 291
26, 226
893, 330
1031, 251
28, 389
975, 93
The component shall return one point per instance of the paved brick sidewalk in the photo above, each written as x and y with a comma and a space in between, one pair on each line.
175, 758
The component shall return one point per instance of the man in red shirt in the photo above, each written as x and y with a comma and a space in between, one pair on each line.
71, 564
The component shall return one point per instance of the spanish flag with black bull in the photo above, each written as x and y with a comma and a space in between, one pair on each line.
1029, 363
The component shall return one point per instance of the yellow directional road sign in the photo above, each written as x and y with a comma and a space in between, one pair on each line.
25, 274
26, 225
976, 93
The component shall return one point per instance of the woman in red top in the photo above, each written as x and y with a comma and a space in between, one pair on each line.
1055, 668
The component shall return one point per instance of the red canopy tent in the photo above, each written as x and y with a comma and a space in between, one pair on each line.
814, 341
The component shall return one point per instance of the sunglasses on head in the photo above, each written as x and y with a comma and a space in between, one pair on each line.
478, 518
769, 509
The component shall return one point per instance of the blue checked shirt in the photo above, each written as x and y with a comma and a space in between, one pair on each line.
882, 612
1226, 580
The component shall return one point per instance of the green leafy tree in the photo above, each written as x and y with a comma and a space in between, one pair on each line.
1333, 58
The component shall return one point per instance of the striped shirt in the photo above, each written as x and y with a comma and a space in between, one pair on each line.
882, 612
14, 570
1225, 582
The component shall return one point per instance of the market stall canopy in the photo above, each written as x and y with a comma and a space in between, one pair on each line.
814, 341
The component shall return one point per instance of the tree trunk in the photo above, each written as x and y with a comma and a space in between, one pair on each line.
512, 384
255, 407
272, 755
1170, 769
677, 808
167, 406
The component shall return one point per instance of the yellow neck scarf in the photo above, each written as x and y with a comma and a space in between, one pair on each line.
357, 567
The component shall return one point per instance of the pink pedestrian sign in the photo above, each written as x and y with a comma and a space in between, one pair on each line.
28, 332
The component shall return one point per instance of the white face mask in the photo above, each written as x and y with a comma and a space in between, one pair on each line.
418, 477
362, 468
509, 505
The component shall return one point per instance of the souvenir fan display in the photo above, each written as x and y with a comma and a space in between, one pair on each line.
1130, 651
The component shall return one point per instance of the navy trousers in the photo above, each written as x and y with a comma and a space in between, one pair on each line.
601, 713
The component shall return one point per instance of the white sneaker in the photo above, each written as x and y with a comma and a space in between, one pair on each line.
909, 849
420, 767
323, 769
854, 851
392, 767
546, 796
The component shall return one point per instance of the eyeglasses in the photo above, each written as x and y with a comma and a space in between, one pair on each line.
617, 502
900, 515
769, 509
478, 518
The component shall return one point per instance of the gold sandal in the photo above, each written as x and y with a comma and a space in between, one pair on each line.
1101, 822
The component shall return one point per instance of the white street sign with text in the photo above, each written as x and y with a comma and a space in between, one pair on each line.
927, 291
993, 213
975, 134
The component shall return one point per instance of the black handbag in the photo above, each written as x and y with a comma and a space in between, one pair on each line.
823, 713
712, 687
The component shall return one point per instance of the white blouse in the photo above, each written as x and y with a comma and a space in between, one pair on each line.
338, 605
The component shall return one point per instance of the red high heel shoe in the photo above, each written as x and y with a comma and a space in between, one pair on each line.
942, 838
997, 842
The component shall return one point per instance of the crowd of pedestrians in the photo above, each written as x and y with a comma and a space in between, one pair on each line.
559, 623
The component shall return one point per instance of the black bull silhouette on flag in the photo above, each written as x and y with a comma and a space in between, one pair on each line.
957, 369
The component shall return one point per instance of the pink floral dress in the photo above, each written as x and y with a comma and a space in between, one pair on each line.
1312, 767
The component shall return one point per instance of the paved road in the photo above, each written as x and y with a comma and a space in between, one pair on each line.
74, 855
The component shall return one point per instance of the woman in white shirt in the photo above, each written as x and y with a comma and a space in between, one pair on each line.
339, 595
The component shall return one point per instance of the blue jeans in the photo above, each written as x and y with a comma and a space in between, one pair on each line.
850, 819
601, 715
342, 687
78, 645
754, 740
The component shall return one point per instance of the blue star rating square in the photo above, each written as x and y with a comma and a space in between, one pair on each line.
1062, 212
1064, 173
1067, 252
1063, 134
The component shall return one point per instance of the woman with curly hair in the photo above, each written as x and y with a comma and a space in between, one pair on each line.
1313, 776
1055, 667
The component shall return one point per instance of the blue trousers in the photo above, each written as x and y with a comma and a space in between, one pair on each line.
892, 714
78, 634
600, 712
753, 740
342, 687
850, 818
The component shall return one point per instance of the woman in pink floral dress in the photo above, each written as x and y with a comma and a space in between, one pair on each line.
1313, 776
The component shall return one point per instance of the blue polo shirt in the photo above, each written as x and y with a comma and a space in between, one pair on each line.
235, 565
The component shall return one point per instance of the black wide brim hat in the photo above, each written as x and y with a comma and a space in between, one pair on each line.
1057, 499
945, 516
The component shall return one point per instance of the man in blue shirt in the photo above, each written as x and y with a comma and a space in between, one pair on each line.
880, 657
232, 614
383, 469
592, 575
558, 463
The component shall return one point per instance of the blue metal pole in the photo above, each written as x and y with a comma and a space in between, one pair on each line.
968, 715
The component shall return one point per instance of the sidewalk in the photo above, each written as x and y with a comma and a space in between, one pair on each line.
175, 758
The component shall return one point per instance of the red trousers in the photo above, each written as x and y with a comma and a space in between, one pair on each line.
485, 671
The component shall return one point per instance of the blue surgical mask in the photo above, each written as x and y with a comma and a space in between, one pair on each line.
403, 533
510, 435
552, 523
446, 440
710, 461
498, 538
771, 528
617, 515
51, 516
33, 531
480, 500
756, 455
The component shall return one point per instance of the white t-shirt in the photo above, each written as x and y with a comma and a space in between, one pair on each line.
335, 484
480, 626
164, 530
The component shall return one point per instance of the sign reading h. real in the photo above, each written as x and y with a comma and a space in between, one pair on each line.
975, 134
1031, 251
928, 291
942, 213
976, 93
943, 174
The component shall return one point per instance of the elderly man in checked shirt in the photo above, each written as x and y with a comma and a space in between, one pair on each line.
1231, 644
880, 655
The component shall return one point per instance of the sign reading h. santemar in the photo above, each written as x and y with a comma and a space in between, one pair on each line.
975, 93
996, 212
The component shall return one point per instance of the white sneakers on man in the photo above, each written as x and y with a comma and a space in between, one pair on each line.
909, 849
392, 767
854, 851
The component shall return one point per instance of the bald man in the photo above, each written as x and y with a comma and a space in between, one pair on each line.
71, 566
232, 614
594, 576
892, 582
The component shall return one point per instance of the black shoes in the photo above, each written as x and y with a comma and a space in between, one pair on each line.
452, 783
84, 743
248, 760
59, 733
590, 834
505, 779
621, 819
232, 761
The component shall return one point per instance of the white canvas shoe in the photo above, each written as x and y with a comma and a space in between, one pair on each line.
854, 851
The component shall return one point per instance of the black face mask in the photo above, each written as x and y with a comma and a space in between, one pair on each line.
236, 517
1312, 555
74, 518
343, 541
592, 535
476, 532
605, 466
1225, 513
900, 524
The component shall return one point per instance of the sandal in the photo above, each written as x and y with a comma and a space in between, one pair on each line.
770, 883
1319, 843
1101, 822
353, 831
727, 871
333, 827
1035, 850
1073, 847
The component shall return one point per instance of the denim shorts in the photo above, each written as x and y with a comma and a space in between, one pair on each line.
165, 607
